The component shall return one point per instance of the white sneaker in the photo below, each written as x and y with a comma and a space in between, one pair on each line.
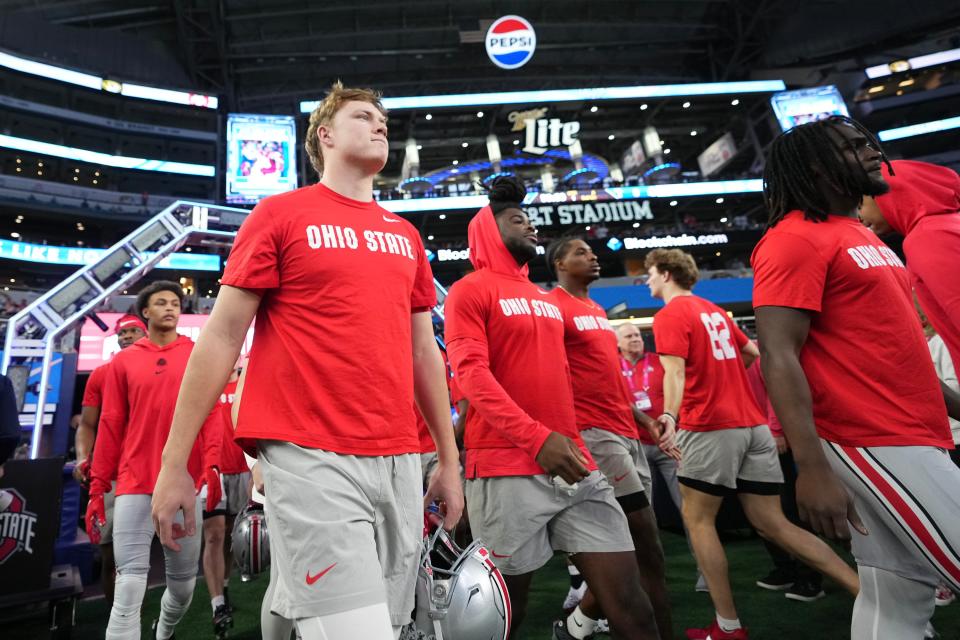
574, 596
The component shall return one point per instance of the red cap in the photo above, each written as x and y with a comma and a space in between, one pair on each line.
127, 321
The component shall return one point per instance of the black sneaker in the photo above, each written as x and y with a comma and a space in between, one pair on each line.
777, 580
153, 630
560, 631
805, 591
222, 620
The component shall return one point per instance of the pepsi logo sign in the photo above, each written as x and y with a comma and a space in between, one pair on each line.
510, 42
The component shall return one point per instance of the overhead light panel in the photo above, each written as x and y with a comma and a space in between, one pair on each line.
573, 95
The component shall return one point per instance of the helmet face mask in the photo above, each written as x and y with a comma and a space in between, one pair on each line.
460, 594
251, 544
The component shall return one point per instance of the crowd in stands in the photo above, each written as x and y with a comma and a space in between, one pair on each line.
72, 197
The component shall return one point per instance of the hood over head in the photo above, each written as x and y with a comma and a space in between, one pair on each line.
487, 250
918, 189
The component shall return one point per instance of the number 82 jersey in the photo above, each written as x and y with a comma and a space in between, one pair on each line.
716, 393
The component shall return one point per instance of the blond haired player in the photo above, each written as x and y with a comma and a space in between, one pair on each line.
314, 265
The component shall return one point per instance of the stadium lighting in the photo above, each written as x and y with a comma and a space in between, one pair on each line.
109, 85
96, 157
572, 95
919, 62
919, 129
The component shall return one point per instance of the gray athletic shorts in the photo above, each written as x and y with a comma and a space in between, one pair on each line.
523, 519
345, 531
620, 459
428, 464
730, 460
235, 489
106, 532
909, 500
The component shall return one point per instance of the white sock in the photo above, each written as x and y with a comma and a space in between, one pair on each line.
572, 570
580, 626
728, 625
217, 601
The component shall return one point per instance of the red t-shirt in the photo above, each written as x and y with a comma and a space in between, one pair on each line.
93, 392
232, 459
334, 274
138, 402
716, 394
866, 360
456, 395
508, 328
645, 383
600, 395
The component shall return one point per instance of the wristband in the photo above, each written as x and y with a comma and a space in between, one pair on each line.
671, 416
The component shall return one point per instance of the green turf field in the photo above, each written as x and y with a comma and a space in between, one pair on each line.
768, 615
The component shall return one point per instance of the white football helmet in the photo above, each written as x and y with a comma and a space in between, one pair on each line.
460, 595
251, 544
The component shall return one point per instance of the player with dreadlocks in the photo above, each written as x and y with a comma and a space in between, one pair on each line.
819, 153
863, 410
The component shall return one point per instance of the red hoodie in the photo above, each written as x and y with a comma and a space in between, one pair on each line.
138, 401
919, 190
922, 205
505, 342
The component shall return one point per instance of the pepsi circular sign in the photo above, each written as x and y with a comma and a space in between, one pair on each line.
510, 42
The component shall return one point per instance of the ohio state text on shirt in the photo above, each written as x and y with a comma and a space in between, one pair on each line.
600, 395
505, 342
339, 281
865, 358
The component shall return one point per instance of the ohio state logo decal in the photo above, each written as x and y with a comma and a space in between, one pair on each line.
17, 525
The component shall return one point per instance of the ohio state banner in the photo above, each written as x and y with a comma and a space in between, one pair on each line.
30, 492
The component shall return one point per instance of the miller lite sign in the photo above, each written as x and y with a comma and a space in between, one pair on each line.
543, 134
510, 42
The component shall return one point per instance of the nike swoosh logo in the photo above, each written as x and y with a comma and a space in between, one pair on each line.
386, 219
312, 579
619, 478
577, 623
497, 555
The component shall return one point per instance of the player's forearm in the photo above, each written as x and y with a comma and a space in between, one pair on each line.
86, 434
430, 392
789, 394
674, 379
110, 434
645, 422
490, 400
207, 372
